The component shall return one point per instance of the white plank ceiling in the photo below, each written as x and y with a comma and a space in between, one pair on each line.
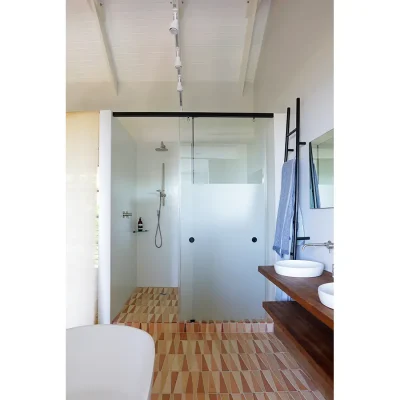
212, 40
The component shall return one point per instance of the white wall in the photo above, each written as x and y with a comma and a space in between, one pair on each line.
82, 131
117, 193
123, 198
158, 267
297, 61
104, 179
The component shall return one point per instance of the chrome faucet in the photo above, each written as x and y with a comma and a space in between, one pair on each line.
328, 245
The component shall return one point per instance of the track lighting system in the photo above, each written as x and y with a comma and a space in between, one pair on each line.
178, 62
174, 27
174, 30
179, 88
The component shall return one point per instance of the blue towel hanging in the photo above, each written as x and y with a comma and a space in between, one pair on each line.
285, 210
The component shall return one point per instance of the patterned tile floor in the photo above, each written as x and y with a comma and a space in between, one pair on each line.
150, 304
152, 308
227, 366
214, 360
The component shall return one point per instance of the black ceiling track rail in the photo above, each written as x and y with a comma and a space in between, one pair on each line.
295, 239
183, 114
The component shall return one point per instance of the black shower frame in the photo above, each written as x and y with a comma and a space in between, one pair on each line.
295, 239
185, 114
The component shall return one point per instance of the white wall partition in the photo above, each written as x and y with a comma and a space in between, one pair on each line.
117, 193
104, 200
82, 131
223, 209
123, 198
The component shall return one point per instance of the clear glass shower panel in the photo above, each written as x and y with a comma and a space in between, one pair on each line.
227, 150
222, 218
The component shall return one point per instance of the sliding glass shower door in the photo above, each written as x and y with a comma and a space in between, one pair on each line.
222, 218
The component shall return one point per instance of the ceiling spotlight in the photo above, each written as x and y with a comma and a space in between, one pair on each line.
179, 88
174, 27
178, 62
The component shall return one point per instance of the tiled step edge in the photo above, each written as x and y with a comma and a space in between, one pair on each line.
266, 326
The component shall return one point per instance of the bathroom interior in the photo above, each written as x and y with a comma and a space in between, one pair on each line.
215, 229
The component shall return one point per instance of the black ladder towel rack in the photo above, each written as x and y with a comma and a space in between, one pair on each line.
296, 150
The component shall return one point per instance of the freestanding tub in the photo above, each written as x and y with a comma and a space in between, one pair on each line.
107, 362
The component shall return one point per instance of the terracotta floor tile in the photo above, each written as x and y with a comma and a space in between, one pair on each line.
318, 395
291, 361
278, 380
309, 383
213, 360
295, 396
299, 380
308, 395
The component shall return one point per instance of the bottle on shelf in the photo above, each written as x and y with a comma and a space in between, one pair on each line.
140, 225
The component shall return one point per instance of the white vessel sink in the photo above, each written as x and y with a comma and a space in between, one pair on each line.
299, 268
326, 294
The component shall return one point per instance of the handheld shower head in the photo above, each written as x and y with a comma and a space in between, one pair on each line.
162, 147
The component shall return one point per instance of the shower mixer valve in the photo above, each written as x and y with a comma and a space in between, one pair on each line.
163, 195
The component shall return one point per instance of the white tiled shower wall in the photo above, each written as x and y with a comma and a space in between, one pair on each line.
158, 266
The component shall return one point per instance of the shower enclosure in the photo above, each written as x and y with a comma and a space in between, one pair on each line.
212, 168
223, 219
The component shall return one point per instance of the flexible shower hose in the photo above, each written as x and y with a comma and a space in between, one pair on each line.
158, 227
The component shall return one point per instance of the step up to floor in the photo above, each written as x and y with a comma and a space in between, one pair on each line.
246, 326
156, 309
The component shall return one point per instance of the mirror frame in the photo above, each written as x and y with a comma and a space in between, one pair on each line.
312, 176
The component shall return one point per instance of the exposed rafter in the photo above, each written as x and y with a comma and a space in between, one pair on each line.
251, 17
97, 8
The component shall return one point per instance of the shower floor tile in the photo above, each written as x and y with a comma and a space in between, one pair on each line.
150, 305
156, 309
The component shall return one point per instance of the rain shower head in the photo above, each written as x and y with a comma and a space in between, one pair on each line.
162, 147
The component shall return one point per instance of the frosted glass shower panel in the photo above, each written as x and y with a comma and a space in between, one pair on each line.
222, 219
226, 282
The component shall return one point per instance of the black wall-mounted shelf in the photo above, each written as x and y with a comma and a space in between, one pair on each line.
146, 230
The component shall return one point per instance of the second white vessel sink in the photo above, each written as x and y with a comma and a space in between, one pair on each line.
326, 294
299, 268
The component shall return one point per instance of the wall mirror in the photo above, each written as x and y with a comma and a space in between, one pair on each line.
321, 171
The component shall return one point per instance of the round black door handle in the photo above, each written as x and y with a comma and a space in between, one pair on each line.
254, 239
191, 239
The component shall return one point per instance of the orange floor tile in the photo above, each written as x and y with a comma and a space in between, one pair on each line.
214, 360
150, 304
153, 309
231, 366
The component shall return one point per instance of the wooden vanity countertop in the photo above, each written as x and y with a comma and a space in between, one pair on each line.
304, 291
